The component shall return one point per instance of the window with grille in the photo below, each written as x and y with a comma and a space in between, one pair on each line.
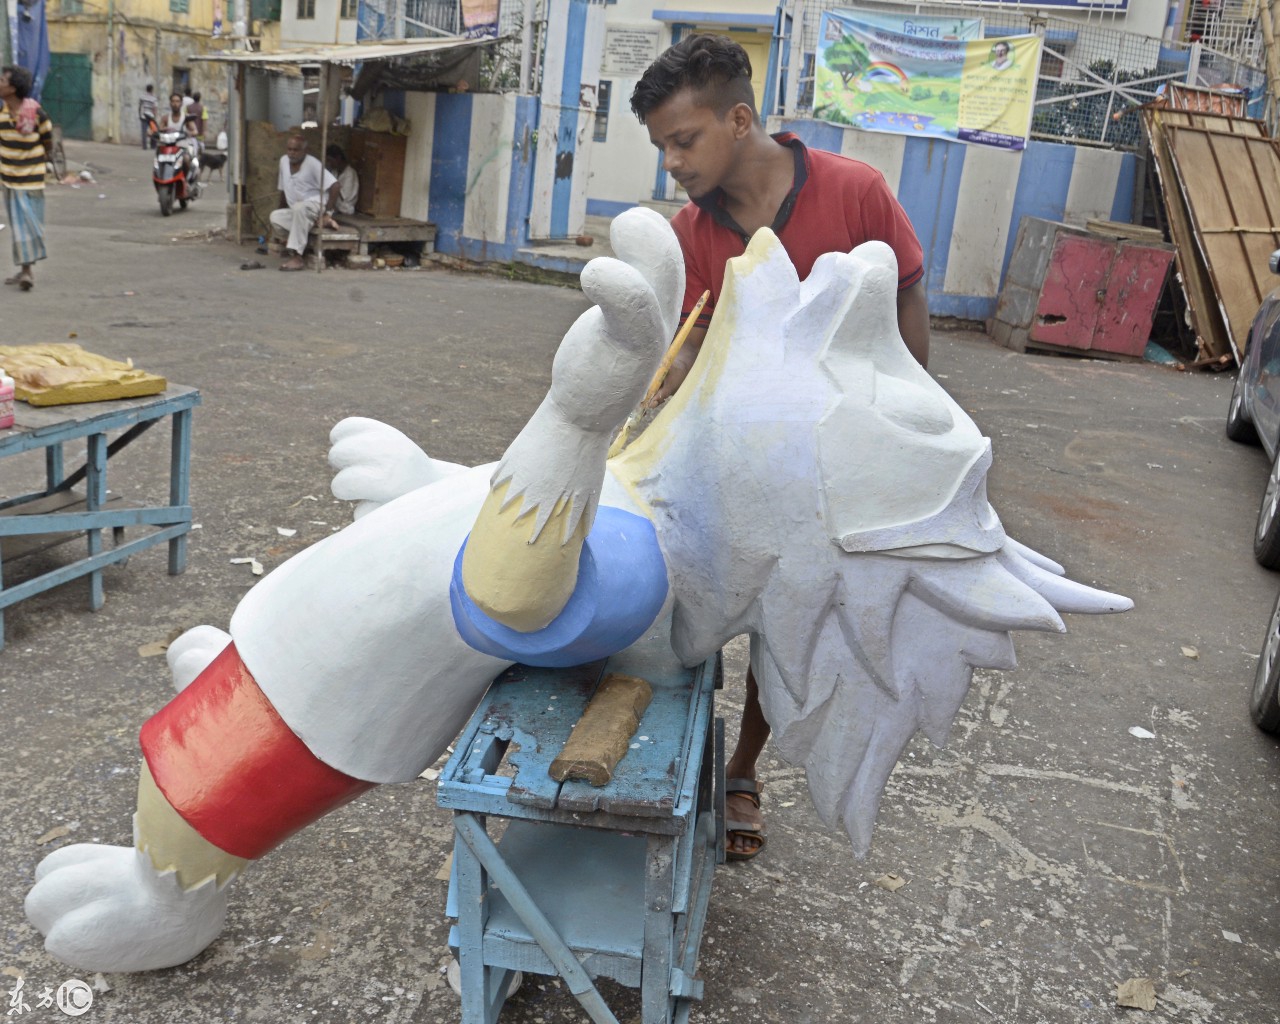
306, 10
602, 112
350, 9
179, 6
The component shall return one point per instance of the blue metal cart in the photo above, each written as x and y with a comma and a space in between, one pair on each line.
587, 881
62, 509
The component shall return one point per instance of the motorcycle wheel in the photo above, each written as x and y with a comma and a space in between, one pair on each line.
166, 200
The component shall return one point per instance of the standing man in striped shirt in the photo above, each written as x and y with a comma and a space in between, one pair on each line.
26, 139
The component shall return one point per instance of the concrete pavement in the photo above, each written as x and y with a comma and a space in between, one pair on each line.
1049, 853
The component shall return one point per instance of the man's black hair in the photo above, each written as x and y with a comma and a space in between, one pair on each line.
21, 80
335, 150
195, 96
715, 67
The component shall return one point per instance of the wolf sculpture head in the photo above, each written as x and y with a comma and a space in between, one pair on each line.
814, 487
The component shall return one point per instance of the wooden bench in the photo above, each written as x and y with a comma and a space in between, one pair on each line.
356, 232
586, 881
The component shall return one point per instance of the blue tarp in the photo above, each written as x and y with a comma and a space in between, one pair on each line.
32, 50
33, 43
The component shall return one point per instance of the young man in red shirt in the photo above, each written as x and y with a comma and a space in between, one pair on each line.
697, 102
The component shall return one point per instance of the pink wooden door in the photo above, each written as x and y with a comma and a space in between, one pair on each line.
1129, 306
1070, 297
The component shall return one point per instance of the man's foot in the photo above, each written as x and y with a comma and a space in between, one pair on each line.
329, 224
25, 280
293, 263
743, 824
13, 278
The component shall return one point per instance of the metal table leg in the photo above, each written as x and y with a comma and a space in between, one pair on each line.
53, 471
180, 484
95, 501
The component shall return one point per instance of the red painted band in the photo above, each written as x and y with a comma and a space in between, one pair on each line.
228, 764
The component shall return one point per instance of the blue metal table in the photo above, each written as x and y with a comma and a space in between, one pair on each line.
61, 509
587, 881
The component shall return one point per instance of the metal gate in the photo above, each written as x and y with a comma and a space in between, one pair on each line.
68, 94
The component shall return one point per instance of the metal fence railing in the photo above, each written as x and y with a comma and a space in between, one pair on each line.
416, 19
1092, 76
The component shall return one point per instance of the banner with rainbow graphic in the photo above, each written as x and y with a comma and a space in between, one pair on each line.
933, 81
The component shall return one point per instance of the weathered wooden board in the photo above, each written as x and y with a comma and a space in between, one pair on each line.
1214, 122
1231, 187
1212, 340
1191, 97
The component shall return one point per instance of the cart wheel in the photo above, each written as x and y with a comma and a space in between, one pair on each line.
59, 158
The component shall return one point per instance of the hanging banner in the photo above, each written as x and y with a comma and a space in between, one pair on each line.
480, 19
979, 91
922, 26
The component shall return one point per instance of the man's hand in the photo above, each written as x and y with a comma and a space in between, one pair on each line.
680, 367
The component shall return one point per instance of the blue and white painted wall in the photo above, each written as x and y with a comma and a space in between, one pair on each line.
966, 201
471, 165
469, 170
574, 43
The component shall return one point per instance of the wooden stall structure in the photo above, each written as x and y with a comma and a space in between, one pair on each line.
381, 184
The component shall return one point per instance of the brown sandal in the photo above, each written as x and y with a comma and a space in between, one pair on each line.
749, 830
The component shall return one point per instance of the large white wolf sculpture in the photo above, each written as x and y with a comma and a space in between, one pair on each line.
810, 485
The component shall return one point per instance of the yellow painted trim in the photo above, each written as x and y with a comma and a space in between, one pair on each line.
515, 578
173, 845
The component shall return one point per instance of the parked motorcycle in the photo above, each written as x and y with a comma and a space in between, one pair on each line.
175, 172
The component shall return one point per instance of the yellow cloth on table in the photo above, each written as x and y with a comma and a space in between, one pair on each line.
65, 374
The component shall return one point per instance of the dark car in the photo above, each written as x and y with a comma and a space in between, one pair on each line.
1254, 415
1264, 705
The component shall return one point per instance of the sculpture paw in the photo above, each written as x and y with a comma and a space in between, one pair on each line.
192, 652
105, 908
377, 463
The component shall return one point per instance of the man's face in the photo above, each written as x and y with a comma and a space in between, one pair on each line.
6, 90
697, 147
296, 149
1002, 51
175, 103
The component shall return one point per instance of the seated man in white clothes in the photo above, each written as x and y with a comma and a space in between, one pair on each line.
348, 182
307, 192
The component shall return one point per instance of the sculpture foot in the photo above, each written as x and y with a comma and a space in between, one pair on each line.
192, 653
105, 908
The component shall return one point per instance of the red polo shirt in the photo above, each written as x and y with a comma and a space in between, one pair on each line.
834, 205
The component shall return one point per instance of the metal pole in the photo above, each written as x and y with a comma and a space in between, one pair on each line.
238, 151
324, 146
113, 109
6, 46
526, 46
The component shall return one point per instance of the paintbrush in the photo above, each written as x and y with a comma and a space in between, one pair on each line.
664, 367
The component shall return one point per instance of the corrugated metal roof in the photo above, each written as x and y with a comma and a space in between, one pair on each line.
351, 53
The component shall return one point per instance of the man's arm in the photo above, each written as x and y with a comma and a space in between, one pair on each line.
331, 203
913, 321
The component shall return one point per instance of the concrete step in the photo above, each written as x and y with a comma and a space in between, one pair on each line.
667, 207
